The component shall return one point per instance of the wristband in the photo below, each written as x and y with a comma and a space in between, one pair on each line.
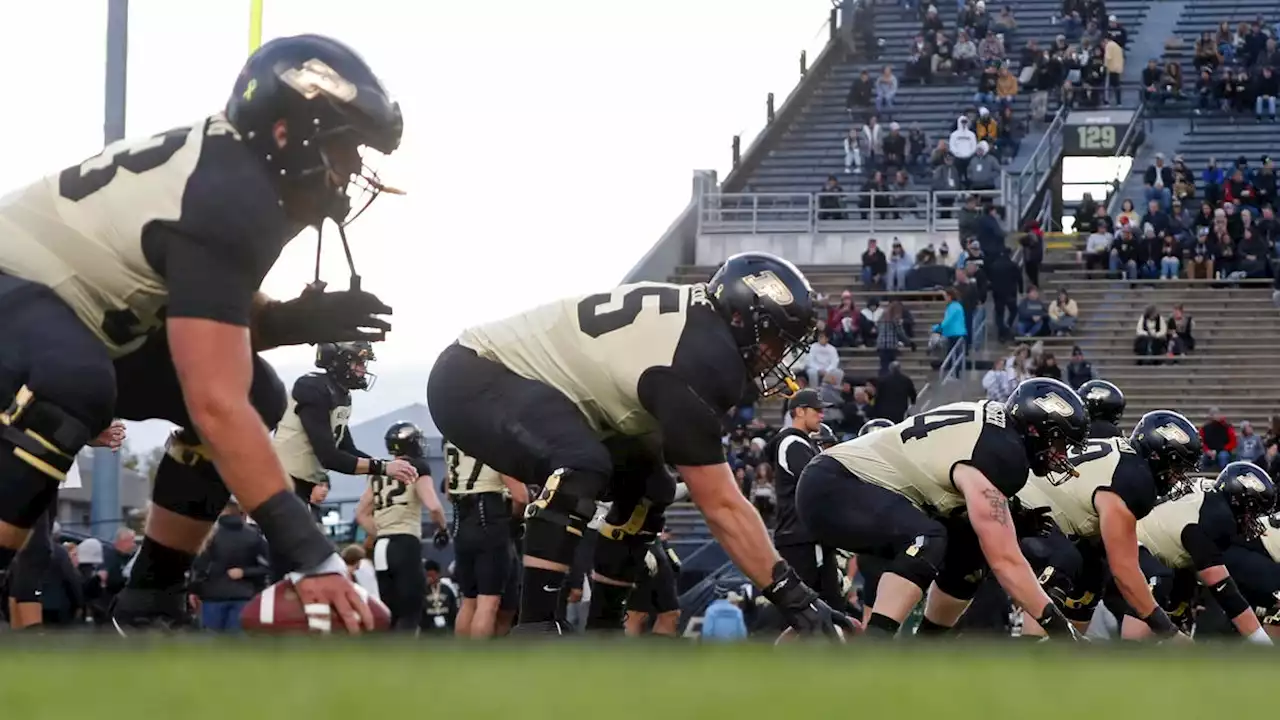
1160, 623
377, 467
787, 590
292, 531
332, 565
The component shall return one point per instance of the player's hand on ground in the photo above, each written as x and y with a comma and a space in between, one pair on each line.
112, 437
340, 596
803, 610
1180, 638
403, 471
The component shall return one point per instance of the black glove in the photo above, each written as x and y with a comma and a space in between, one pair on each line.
317, 316
1031, 522
802, 608
1057, 626
440, 539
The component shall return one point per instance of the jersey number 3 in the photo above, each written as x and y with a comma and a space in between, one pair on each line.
596, 323
80, 181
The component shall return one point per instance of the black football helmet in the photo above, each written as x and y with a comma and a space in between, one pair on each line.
1251, 494
347, 363
769, 307
1171, 445
1052, 421
824, 437
871, 426
1103, 401
404, 439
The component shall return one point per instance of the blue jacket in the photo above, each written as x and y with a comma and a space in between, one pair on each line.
952, 324
723, 622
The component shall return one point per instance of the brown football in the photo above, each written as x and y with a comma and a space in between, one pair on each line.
279, 610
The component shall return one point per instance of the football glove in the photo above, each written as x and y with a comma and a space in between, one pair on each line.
440, 539
651, 563
1030, 522
801, 607
1057, 626
317, 316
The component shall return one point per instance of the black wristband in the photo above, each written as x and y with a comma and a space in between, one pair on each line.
1160, 623
377, 467
787, 590
292, 531
1228, 597
1053, 622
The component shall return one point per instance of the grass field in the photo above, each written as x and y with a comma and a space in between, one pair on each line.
194, 680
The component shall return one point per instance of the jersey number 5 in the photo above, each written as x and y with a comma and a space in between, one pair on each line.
927, 422
80, 181
394, 489
596, 323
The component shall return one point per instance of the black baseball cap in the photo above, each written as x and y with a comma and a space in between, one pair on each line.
807, 398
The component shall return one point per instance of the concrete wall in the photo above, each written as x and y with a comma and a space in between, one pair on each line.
814, 249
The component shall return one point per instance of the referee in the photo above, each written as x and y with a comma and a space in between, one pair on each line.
788, 452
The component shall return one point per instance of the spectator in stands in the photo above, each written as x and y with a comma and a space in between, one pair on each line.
986, 93
931, 25
999, 382
991, 49
1097, 247
1181, 329
1079, 370
1150, 340
917, 148
1047, 367
962, 146
1006, 280
918, 66
1113, 59
1206, 55
895, 393
894, 147
942, 62
900, 264
1032, 242
1213, 178
1063, 312
1201, 255
860, 94
952, 328
869, 321
1158, 181
1184, 182
830, 202
842, 322
1249, 445
1170, 258
1156, 217
1264, 183
856, 147
1006, 88
984, 169
1128, 212
1149, 252
1237, 190
1093, 78
890, 336
1012, 131
946, 180
886, 90
986, 127
1005, 23
1124, 255
1171, 82
965, 54
1151, 76
1243, 92
1032, 314
230, 570
823, 358
1253, 252
874, 265
1219, 439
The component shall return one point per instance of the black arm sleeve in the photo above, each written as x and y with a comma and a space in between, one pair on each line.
1133, 483
421, 465
204, 282
1204, 552
798, 455
348, 445
1000, 456
313, 404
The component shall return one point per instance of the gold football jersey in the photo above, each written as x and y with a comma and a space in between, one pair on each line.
397, 509
1071, 502
1161, 531
466, 476
1271, 540
294, 448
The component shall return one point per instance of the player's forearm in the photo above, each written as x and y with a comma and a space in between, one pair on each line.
260, 301
738, 528
1018, 579
241, 450
1134, 588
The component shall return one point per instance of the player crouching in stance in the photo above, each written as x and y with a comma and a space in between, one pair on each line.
930, 494
391, 510
532, 396
127, 289
1183, 540
1096, 514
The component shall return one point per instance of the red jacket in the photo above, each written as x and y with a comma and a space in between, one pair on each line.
1215, 428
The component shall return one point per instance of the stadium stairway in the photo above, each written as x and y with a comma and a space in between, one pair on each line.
812, 147
1237, 332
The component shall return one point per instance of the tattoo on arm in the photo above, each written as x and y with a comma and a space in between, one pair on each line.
998, 505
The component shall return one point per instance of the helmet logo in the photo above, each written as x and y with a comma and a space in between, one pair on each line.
1173, 434
769, 285
1098, 393
315, 78
1251, 482
1053, 404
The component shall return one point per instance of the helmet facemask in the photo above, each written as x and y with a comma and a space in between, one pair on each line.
357, 375
1050, 455
771, 353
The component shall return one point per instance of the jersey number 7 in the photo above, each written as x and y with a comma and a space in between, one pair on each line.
927, 422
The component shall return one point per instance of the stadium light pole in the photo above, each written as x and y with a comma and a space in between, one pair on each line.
104, 500
255, 25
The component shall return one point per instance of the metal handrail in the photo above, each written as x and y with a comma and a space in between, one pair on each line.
1122, 148
1023, 187
765, 213
954, 360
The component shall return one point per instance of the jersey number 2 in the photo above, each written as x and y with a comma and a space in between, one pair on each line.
596, 323
394, 489
80, 181
927, 422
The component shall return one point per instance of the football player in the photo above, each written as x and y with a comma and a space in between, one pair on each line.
391, 509
903, 493
1097, 513
655, 597
127, 289
312, 437
1183, 540
873, 425
482, 515
1105, 404
533, 395
869, 566
823, 437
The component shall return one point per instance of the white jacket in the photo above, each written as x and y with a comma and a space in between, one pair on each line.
963, 142
824, 357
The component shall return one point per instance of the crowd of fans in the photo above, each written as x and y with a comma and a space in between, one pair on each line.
1236, 72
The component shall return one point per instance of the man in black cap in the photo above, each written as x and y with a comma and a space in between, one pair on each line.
788, 452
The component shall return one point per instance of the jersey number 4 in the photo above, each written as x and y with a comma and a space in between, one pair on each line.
596, 323
394, 489
927, 422
80, 181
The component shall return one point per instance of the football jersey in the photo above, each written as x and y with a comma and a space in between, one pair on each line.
80, 232
1161, 531
595, 348
465, 475
397, 509
291, 443
915, 458
1271, 538
1109, 465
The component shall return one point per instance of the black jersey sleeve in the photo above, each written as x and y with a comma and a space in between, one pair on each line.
421, 465
313, 402
230, 232
1000, 455
688, 399
348, 445
1133, 483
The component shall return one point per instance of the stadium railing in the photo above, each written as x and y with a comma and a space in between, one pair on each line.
1022, 187
764, 213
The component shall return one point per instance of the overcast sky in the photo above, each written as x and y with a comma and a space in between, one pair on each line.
547, 144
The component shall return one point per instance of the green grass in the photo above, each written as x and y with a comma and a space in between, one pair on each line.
194, 680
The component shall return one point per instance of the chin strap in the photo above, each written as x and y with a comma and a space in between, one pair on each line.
319, 284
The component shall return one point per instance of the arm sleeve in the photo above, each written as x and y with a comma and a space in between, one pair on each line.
204, 281
690, 426
348, 445
1200, 546
1000, 456
1133, 483
313, 406
421, 465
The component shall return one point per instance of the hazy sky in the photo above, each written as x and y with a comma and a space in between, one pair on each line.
547, 144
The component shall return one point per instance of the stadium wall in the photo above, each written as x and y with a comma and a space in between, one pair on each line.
811, 248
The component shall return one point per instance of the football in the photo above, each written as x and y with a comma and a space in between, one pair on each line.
279, 610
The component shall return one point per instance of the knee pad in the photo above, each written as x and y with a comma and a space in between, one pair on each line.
920, 562
187, 482
267, 393
38, 444
26, 574
557, 519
